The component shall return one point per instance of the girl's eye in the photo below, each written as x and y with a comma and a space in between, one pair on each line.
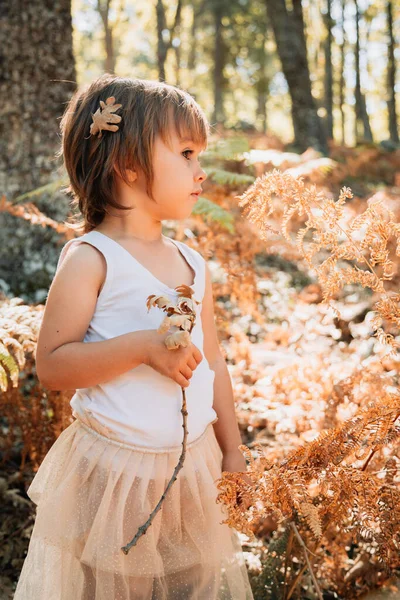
187, 151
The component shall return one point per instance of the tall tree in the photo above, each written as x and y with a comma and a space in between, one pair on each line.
177, 45
103, 7
328, 70
192, 50
219, 81
288, 28
243, 37
363, 131
391, 77
165, 34
262, 83
38, 75
197, 9
342, 80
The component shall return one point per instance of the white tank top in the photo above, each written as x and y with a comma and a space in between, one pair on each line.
141, 406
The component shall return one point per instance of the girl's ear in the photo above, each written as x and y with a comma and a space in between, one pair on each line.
131, 175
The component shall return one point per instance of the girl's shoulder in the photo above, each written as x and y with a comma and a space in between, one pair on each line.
83, 241
86, 250
190, 250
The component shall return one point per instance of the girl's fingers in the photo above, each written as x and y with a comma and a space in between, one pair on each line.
186, 372
182, 381
192, 364
197, 355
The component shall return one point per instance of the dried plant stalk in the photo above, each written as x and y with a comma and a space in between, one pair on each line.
182, 316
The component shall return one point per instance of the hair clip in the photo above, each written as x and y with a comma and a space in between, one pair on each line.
103, 118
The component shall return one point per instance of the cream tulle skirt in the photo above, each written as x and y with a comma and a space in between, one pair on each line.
92, 495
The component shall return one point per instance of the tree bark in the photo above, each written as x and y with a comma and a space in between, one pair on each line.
262, 85
197, 9
288, 28
163, 45
363, 130
192, 51
104, 11
178, 51
37, 80
219, 63
38, 76
328, 72
261, 112
342, 81
391, 77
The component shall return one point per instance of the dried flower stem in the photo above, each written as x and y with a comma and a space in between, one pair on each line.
143, 528
287, 558
295, 582
185, 307
305, 549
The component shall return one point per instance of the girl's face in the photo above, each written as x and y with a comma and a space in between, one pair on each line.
177, 174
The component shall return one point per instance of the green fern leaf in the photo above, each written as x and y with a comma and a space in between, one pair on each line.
212, 212
227, 148
49, 188
228, 177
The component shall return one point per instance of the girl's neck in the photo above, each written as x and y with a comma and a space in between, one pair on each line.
151, 234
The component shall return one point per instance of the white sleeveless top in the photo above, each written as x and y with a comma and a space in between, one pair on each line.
141, 406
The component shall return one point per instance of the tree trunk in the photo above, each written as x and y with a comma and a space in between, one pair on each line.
104, 11
262, 85
178, 51
391, 78
197, 10
192, 51
37, 80
163, 44
363, 130
261, 112
288, 28
328, 72
219, 63
342, 83
38, 76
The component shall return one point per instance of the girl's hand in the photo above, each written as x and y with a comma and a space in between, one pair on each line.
233, 461
177, 364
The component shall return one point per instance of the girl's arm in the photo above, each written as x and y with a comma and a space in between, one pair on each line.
63, 360
226, 428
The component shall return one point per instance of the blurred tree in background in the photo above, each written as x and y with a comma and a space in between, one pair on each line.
38, 74
332, 61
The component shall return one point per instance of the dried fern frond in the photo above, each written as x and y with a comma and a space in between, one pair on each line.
19, 326
321, 486
364, 241
30, 212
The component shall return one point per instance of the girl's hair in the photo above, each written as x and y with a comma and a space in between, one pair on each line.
149, 108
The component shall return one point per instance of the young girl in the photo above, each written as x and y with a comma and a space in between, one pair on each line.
131, 149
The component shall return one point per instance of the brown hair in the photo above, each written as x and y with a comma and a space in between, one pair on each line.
148, 107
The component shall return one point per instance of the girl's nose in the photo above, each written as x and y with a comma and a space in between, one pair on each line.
202, 175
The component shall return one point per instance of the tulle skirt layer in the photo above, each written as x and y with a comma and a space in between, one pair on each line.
92, 495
